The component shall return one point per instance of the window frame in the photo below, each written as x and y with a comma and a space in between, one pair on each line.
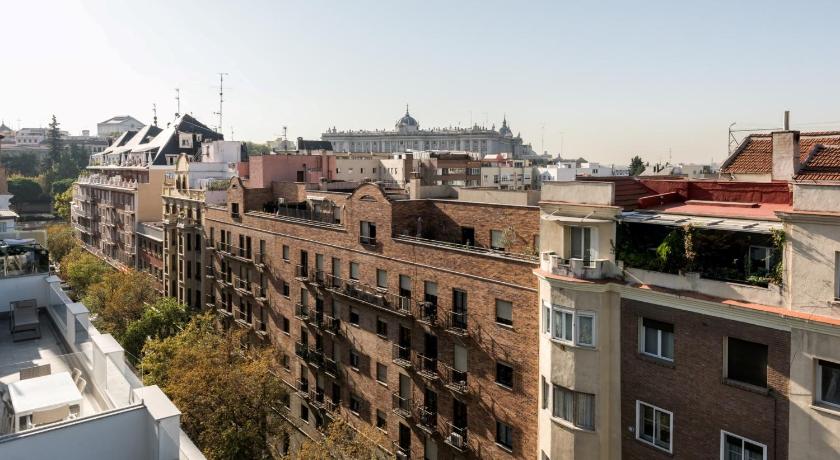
724, 433
670, 448
286, 253
574, 340
576, 396
643, 340
505, 321
512, 377
379, 366
818, 390
726, 365
505, 442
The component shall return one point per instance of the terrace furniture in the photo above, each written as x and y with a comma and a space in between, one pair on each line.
24, 322
35, 371
41, 394
45, 417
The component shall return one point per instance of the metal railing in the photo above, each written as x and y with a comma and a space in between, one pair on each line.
330, 367
301, 311
426, 366
469, 248
456, 322
401, 405
454, 379
401, 355
427, 312
368, 295
427, 418
301, 350
456, 437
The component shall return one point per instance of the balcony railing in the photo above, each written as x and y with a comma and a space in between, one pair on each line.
426, 366
401, 405
454, 379
370, 296
301, 311
301, 350
316, 398
587, 269
456, 322
330, 367
243, 286
468, 248
315, 356
302, 272
401, 355
456, 437
332, 325
427, 419
427, 313
303, 387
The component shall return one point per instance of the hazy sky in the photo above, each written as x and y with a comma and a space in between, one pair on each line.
604, 80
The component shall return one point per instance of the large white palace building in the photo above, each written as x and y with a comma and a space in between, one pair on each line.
407, 135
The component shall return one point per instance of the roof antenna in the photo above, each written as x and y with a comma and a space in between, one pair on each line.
178, 101
154, 110
221, 97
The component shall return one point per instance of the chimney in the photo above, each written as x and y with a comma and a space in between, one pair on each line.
785, 152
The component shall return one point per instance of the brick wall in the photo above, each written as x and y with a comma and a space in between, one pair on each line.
693, 388
484, 278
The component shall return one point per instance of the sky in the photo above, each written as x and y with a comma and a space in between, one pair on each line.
602, 80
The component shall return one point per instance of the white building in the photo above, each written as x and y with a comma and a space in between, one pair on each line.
407, 135
556, 173
70, 392
115, 126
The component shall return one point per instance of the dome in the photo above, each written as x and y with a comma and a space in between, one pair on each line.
407, 122
505, 130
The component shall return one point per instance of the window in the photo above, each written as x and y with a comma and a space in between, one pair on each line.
734, 447
285, 287
304, 413
355, 404
760, 260
504, 374
354, 360
381, 278
381, 328
574, 407
654, 426
544, 393
546, 318
497, 240
354, 270
286, 252
285, 324
381, 421
381, 373
367, 232
746, 362
828, 383
287, 363
657, 339
504, 312
581, 244
354, 316
585, 329
504, 435
234, 209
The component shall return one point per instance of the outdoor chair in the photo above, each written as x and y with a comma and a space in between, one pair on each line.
35, 371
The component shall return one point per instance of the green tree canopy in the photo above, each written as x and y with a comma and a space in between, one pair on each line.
56, 144
257, 149
637, 166
81, 270
164, 318
60, 241
61, 204
24, 164
343, 442
228, 399
119, 299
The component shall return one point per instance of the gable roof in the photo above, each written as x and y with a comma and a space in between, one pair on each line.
119, 119
755, 154
822, 163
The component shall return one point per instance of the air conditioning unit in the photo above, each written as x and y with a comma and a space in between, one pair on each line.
456, 440
402, 456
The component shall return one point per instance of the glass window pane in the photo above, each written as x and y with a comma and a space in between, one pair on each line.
585, 410
830, 382
732, 448
753, 451
647, 423
567, 326
585, 335
668, 345
546, 319
557, 327
664, 429
651, 344
577, 243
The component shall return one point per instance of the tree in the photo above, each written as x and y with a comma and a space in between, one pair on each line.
119, 299
81, 270
637, 166
56, 147
257, 149
228, 399
24, 164
26, 190
164, 318
60, 241
343, 442
61, 204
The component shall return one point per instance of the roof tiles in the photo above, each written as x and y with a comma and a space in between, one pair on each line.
755, 155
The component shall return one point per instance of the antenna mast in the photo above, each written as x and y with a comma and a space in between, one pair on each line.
154, 111
221, 97
178, 101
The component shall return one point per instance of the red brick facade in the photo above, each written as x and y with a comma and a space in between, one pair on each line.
485, 277
693, 387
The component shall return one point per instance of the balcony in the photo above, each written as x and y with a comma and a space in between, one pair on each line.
301, 350
455, 323
315, 357
401, 355
243, 318
305, 215
585, 269
427, 419
242, 286
428, 313
302, 273
332, 325
301, 312
367, 295
456, 437
466, 248
401, 405
302, 386
454, 379
401, 452
316, 319
317, 398
331, 367
426, 366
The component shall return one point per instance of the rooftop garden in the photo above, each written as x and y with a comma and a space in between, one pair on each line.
737, 257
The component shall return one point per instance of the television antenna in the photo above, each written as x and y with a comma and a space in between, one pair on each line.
221, 97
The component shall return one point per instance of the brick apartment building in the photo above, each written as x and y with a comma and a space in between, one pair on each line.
381, 314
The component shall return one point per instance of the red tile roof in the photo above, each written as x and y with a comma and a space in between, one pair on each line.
755, 154
823, 163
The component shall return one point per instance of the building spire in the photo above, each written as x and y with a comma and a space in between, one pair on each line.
406, 108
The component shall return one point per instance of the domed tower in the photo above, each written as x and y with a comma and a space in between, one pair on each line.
505, 130
407, 124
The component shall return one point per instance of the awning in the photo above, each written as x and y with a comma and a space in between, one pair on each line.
576, 220
709, 223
